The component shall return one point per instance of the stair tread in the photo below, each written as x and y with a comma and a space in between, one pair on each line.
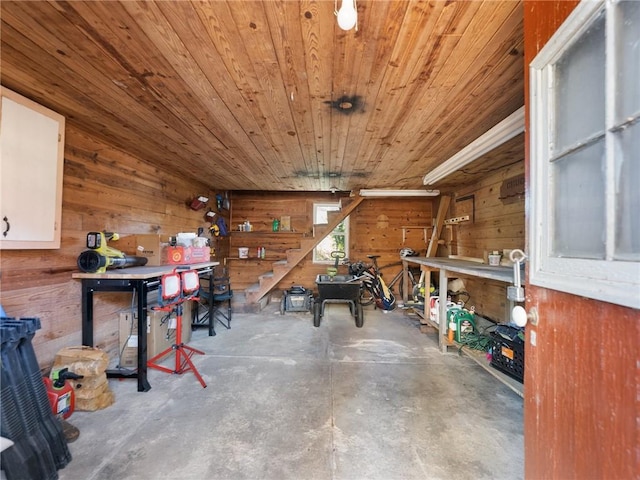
256, 292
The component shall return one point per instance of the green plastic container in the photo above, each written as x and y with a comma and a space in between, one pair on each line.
464, 321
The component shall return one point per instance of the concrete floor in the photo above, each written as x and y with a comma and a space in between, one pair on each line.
286, 400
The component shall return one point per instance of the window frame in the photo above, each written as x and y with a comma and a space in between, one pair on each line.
608, 280
346, 232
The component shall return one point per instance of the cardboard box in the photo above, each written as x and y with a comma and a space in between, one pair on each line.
150, 246
161, 333
200, 254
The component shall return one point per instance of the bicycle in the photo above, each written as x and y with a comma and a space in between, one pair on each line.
416, 287
374, 284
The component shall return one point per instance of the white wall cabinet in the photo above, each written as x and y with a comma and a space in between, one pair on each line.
31, 167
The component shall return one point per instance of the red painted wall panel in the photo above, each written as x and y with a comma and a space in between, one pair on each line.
581, 383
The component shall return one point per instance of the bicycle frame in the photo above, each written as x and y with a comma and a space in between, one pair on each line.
398, 279
372, 280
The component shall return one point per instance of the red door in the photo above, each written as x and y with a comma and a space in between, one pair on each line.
582, 397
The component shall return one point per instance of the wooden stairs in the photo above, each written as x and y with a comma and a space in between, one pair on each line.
254, 294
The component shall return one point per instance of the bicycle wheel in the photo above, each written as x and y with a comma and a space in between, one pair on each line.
398, 277
366, 297
401, 286
400, 283
359, 316
418, 293
412, 289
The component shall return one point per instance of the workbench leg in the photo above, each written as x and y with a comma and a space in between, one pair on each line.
143, 384
442, 339
405, 282
212, 323
87, 315
427, 291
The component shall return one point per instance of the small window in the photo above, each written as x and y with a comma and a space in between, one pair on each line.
337, 240
585, 155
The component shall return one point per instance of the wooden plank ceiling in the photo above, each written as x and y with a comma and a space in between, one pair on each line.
272, 95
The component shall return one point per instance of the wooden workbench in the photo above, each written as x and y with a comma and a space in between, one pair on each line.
139, 280
449, 268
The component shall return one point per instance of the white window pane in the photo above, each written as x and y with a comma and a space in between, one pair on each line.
337, 240
628, 77
324, 249
628, 195
580, 92
583, 201
578, 190
321, 213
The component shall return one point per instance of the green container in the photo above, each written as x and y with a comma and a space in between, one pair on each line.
464, 321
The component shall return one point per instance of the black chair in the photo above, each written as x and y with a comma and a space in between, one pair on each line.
219, 299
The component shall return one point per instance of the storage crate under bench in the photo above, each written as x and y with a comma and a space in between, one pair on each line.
507, 351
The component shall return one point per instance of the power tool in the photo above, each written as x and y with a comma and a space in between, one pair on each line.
101, 256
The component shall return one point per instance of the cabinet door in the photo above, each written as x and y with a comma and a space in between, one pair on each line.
31, 164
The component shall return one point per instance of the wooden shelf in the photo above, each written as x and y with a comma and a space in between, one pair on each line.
452, 267
481, 359
266, 259
447, 266
477, 356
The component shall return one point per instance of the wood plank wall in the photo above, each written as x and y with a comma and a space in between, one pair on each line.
375, 228
495, 224
108, 189
104, 189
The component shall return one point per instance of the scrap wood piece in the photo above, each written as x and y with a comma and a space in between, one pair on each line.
443, 208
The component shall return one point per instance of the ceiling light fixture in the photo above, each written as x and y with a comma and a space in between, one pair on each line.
505, 130
347, 15
398, 193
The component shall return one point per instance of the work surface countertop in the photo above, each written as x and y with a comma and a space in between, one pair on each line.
500, 273
142, 273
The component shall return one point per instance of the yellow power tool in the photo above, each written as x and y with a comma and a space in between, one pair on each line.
100, 256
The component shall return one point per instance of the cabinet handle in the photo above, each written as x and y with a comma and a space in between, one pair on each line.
6, 220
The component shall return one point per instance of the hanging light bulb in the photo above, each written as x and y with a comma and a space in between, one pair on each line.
347, 15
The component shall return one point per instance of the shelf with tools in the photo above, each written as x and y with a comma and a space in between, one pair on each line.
453, 268
246, 263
